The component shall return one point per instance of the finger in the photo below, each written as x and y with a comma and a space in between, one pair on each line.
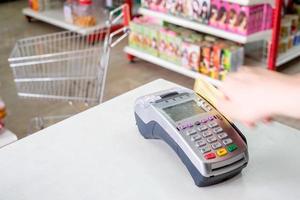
267, 120
249, 124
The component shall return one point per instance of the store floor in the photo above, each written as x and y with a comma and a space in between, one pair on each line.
122, 75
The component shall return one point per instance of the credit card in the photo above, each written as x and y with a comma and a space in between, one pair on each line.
209, 92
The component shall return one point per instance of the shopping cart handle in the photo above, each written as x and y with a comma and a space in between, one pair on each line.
124, 13
124, 30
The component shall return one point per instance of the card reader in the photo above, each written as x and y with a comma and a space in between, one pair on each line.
211, 147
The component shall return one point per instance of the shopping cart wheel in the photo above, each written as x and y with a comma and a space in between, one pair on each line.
29, 19
130, 58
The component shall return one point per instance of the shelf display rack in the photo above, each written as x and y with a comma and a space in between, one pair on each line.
272, 35
56, 17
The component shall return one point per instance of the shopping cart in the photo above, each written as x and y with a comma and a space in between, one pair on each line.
67, 66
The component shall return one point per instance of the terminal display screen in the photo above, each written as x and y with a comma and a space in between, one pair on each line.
184, 110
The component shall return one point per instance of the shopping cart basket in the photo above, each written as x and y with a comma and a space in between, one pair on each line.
67, 66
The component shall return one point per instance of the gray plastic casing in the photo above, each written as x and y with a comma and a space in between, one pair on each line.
149, 110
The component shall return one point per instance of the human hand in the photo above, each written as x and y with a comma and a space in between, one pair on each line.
255, 94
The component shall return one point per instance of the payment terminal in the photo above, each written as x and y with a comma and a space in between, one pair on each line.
211, 147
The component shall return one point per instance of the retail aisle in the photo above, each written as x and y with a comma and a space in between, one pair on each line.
122, 76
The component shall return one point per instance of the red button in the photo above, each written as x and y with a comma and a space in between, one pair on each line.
210, 156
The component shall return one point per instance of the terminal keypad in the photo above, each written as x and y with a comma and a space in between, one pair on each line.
210, 139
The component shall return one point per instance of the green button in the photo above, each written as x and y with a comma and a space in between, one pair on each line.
232, 147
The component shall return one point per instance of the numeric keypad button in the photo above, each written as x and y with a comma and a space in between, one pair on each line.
200, 143
205, 149
217, 130
211, 139
190, 132
216, 145
212, 124
227, 141
207, 134
196, 137
202, 128
222, 135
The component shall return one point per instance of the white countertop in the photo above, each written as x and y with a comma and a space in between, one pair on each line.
99, 154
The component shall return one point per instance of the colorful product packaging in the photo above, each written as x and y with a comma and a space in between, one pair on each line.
161, 6
136, 34
216, 59
242, 25
228, 16
233, 11
144, 34
151, 39
179, 7
297, 39
259, 17
154, 34
222, 16
294, 19
2, 115
199, 10
267, 17
214, 13
145, 3
205, 10
290, 41
250, 19
173, 42
191, 54
133, 38
158, 5
183, 8
2, 110
34, 4
163, 43
232, 58
222, 75
192, 50
283, 45
205, 63
285, 29
171, 7
177, 52
208, 56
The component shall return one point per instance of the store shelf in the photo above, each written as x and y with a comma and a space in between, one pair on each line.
7, 137
288, 56
206, 28
252, 2
169, 65
56, 18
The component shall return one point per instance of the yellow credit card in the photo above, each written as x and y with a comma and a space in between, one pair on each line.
208, 91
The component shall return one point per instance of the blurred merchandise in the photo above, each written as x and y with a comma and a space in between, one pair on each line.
83, 13
244, 20
42, 5
289, 35
2, 115
68, 11
198, 52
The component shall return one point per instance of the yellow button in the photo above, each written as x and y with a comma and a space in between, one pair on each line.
222, 152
